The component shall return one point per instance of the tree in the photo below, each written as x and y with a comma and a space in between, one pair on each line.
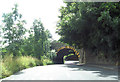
41, 39
13, 30
47, 41
92, 26
55, 45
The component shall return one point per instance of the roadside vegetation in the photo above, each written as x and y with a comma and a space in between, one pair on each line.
10, 65
19, 51
93, 27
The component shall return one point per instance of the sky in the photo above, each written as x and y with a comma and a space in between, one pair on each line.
46, 10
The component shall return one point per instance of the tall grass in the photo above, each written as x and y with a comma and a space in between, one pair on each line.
10, 65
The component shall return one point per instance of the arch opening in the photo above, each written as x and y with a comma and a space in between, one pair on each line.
66, 53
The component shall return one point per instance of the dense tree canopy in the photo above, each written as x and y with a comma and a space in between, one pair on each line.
92, 26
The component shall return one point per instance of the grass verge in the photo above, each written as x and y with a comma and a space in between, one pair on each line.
10, 65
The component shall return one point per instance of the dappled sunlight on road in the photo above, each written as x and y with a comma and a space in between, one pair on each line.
67, 71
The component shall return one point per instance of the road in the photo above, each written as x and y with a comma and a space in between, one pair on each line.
67, 71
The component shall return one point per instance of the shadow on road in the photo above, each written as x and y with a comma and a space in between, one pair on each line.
99, 71
18, 73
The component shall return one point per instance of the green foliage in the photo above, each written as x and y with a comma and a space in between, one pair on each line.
67, 56
55, 45
13, 30
26, 62
92, 26
37, 44
46, 61
10, 65
51, 55
20, 52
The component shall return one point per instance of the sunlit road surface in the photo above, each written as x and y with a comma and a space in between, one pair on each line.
67, 71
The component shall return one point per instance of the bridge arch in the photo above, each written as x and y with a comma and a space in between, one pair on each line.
64, 51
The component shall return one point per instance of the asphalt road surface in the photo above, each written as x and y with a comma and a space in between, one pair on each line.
67, 71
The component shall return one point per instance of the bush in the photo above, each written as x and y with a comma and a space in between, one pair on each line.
26, 62
4, 72
10, 65
46, 61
